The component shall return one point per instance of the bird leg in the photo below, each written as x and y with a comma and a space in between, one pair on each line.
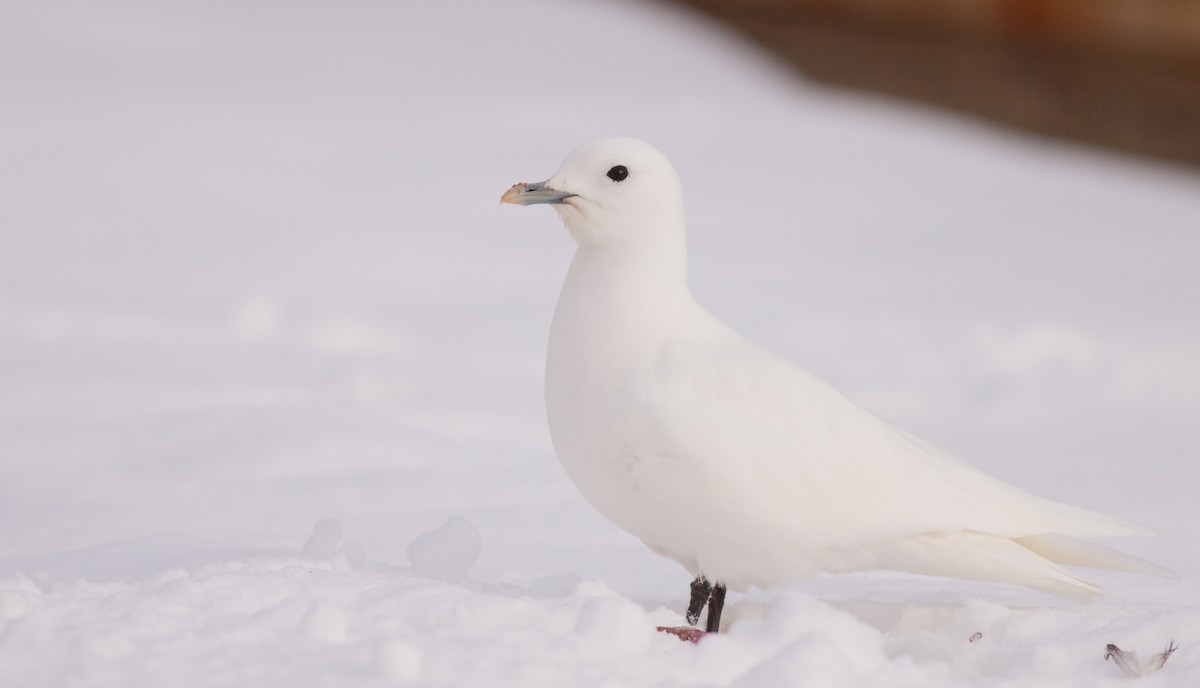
715, 604
703, 593
701, 590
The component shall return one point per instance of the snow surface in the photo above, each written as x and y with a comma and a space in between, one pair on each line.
254, 277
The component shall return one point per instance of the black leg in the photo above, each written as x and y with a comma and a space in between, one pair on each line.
703, 593
701, 589
715, 604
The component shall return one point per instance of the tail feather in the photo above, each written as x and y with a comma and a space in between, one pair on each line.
1032, 561
1061, 549
987, 558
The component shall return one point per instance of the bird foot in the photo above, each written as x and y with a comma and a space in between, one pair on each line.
684, 633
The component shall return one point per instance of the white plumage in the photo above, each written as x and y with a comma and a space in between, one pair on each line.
735, 463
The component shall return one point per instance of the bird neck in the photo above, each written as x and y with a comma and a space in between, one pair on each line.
621, 289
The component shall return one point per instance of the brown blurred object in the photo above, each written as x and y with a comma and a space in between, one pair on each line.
1120, 73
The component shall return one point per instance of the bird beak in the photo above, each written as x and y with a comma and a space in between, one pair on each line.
529, 194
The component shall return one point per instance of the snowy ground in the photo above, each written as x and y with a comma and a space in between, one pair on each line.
254, 276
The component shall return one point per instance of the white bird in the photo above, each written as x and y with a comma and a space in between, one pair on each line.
735, 463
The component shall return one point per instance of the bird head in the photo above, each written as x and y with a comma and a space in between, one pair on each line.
612, 192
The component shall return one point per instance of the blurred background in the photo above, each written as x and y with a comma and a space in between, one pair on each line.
1123, 74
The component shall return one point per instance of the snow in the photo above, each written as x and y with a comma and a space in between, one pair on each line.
323, 542
254, 277
447, 553
398, 660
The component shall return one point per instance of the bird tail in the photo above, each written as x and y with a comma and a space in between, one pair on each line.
1061, 549
1031, 561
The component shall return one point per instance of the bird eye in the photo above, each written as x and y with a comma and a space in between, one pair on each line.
618, 173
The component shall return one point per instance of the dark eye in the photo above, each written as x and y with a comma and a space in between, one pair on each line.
618, 173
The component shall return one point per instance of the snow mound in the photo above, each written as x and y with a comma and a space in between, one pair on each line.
325, 622
397, 660
349, 556
323, 542
323, 545
12, 605
821, 643
614, 625
447, 553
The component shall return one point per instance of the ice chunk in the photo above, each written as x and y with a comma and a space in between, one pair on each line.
322, 544
447, 553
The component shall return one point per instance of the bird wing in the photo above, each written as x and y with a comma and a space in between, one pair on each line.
765, 432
